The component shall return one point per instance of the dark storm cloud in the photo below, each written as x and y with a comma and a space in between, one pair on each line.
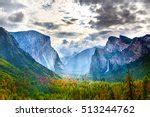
65, 34
9, 6
47, 25
88, 2
146, 1
109, 14
16, 17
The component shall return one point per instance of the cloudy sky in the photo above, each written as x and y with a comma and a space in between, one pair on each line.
74, 25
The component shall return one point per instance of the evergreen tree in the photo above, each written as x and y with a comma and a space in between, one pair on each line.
111, 94
145, 83
129, 86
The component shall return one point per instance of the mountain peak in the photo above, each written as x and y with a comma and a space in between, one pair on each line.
39, 47
112, 39
33, 35
2, 30
125, 39
146, 37
11, 52
6, 39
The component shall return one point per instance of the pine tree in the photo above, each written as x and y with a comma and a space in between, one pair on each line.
145, 83
129, 86
111, 94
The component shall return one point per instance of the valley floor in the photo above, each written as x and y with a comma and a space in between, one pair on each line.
68, 89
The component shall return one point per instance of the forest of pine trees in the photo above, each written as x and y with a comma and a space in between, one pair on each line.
51, 89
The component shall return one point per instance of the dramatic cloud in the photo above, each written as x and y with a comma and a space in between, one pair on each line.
75, 25
146, 1
111, 1
115, 12
109, 15
65, 34
10, 5
10, 14
47, 25
4, 22
16, 17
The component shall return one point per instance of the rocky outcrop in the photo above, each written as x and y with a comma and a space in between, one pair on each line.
39, 47
118, 53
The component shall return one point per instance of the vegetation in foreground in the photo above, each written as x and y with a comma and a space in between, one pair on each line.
16, 84
19, 84
86, 90
67, 89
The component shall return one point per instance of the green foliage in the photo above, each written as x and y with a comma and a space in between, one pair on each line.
145, 87
83, 90
129, 87
16, 84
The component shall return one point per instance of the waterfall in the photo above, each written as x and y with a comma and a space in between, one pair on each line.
108, 65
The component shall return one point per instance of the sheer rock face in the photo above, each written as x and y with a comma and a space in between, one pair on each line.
39, 47
118, 52
95, 62
12, 53
115, 44
99, 61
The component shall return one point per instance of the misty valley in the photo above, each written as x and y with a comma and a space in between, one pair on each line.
30, 68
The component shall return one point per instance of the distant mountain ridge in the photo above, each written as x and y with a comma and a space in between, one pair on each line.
39, 47
100, 63
79, 63
117, 54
